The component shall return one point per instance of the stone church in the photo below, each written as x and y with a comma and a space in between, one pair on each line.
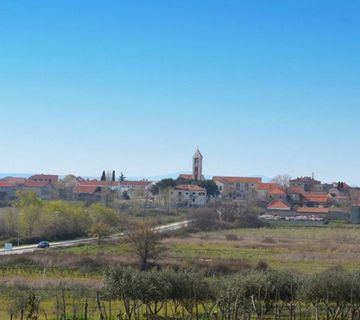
197, 166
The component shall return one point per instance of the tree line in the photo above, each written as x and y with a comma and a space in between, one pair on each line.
175, 294
31, 219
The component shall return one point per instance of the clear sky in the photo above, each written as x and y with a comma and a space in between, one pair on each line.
261, 86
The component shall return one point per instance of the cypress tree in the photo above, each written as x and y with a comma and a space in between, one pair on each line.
113, 176
103, 176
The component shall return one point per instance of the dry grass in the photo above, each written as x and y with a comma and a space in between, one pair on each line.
307, 249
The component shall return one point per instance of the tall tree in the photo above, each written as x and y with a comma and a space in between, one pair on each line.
212, 189
166, 183
30, 207
104, 220
122, 177
103, 176
113, 176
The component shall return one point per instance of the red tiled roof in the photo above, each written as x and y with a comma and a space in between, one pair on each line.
136, 183
272, 188
295, 190
265, 186
5, 184
45, 177
277, 192
35, 184
190, 187
85, 189
14, 180
97, 183
237, 179
312, 210
319, 197
186, 176
278, 205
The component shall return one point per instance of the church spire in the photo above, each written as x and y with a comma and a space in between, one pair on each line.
197, 165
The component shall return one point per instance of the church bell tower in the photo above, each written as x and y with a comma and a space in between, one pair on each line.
197, 165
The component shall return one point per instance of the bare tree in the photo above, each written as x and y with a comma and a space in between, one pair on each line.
282, 180
145, 241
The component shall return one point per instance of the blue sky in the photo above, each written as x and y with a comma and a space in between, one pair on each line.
262, 87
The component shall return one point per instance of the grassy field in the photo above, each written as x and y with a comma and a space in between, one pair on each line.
307, 249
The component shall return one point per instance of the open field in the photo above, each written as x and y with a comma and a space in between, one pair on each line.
306, 249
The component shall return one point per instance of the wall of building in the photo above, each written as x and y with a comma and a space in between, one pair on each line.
188, 198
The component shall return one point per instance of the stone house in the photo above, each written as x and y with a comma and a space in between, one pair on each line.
7, 191
43, 189
270, 190
87, 193
188, 195
314, 199
49, 178
236, 187
307, 184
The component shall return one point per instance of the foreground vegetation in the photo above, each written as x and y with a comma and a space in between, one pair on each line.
129, 294
227, 265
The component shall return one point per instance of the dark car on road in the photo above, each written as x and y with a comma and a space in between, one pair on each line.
43, 244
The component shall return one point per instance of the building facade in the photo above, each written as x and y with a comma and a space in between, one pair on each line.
188, 195
236, 187
307, 184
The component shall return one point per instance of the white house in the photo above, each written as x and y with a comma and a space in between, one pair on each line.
188, 195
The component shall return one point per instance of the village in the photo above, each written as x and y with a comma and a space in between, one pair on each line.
282, 199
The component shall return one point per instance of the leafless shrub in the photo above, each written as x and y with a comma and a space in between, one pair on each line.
231, 237
261, 266
269, 240
211, 267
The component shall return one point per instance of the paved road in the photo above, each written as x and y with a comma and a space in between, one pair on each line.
73, 243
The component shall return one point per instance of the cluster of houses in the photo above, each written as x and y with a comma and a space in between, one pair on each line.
300, 197
49, 187
304, 196
93, 190
43, 185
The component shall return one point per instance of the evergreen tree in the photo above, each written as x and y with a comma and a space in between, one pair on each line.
113, 176
122, 177
103, 176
